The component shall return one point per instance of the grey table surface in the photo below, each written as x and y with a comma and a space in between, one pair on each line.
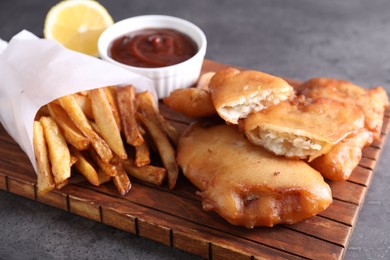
300, 39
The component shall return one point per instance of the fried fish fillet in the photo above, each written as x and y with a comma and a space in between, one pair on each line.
372, 101
343, 158
235, 93
303, 128
192, 102
245, 184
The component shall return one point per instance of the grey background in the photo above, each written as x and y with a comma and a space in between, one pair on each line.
347, 39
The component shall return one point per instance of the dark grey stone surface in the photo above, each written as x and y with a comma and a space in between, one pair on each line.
347, 39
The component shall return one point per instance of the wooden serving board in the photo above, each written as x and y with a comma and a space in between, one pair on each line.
175, 218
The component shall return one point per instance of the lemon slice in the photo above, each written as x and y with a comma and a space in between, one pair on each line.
77, 24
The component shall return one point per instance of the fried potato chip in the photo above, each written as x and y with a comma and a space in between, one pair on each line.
121, 180
142, 155
85, 167
112, 100
149, 107
59, 154
107, 167
131, 131
103, 177
45, 181
84, 103
147, 173
164, 147
71, 133
69, 104
106, 123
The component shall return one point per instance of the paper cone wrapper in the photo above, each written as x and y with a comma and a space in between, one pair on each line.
34, 72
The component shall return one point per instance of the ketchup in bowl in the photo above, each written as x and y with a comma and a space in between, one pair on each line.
153, 48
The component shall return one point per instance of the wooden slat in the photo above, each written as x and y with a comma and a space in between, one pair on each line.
343, 212
84, 207
380, 142
113, 218
190, 244
55, 199
158, 233
368, 163
347, 191
222, 253
361, 176
325, 229
21, 188
371, 152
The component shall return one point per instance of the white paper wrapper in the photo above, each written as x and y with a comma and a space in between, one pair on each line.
34, 72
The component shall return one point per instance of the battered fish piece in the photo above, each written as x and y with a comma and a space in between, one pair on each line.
236, 94
373, 101
343, 158
192, 102
303, 128
245, 184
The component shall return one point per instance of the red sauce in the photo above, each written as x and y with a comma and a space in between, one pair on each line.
153, 48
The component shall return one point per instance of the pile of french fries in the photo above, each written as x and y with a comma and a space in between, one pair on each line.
104, 134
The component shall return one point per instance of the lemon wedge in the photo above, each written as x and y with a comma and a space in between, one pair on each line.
77, 24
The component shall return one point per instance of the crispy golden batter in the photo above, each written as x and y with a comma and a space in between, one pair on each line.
244, 183
303, 128
235, 93
343, 158
192, 102
373, 101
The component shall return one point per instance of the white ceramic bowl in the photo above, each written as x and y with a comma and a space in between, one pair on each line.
166, 79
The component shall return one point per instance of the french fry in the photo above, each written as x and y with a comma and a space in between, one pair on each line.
121, 180
71, 133
69, 104
84, 103
142, 155
43, 111
59, 154
131, 131
85, 167
44, 176
112, 100
149, 107
107, 167
73, 159
95, 127
103, 177
148, 173
106, 122
164, 147
61, 184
